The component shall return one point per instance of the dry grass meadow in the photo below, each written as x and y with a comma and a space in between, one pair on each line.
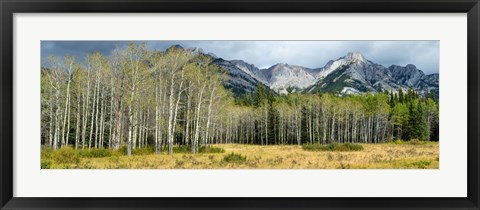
373, 156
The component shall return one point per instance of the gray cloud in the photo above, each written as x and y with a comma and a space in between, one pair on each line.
313, 54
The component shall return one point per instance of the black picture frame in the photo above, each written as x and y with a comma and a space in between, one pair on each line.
10, 7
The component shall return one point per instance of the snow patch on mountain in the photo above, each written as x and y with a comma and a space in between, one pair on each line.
349, 90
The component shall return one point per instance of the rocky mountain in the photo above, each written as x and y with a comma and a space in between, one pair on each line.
240, 80
251, 70
350, 74
353, 73
410, 76
281, 76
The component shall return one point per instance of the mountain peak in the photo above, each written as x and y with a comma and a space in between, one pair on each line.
355, 56
281, 65
195, 50
332, 65
411, 66
176, 47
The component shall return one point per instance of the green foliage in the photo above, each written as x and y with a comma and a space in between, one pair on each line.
138, 151
398, 141
331, 83
123, 149
416, 142
246, 100
259, 95
176, 149
143, 151
235, 158
45, 163
210, 149
399, 118
414, 116
289, 89
417, 124
95, 153
400, 96
65, 155
182, 149
345, 147
421, 164
114, 158
348, 147
46, 152
201, 150
411, 142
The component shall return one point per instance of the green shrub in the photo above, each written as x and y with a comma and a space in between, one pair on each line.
176, 149
202, 149
421, 164
416, 142
123, 149
143, 151
333, 147
211, 149
114, 158
65, 155
412, 142
234, 158
181, 149
138, 151
95, 153
45, 164
347, 147
46, 152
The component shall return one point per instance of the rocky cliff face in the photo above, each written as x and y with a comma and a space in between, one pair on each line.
239, 80
353, 73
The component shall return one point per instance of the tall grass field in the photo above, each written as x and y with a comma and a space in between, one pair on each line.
394, 155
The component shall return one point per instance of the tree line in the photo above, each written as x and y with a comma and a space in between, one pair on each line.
326, 118
139, 97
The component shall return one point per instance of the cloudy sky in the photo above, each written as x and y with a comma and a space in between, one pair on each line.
312, 54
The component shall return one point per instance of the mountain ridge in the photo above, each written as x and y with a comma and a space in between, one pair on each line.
350, 74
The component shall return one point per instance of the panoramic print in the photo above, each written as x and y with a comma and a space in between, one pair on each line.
239, 104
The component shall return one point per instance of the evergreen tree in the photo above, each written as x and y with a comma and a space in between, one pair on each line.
289, 89
417, 128
422, 125
259, 95
400, 96
392, 100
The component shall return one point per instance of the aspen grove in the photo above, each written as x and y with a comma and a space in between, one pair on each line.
176, 98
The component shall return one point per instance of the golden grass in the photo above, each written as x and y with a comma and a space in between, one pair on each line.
373, 156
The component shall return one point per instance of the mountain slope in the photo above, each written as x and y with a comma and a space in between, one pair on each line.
355, 74
410, 76
350, 74
281, 76
239, 81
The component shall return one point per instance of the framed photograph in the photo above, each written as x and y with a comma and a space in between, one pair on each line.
239, 105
